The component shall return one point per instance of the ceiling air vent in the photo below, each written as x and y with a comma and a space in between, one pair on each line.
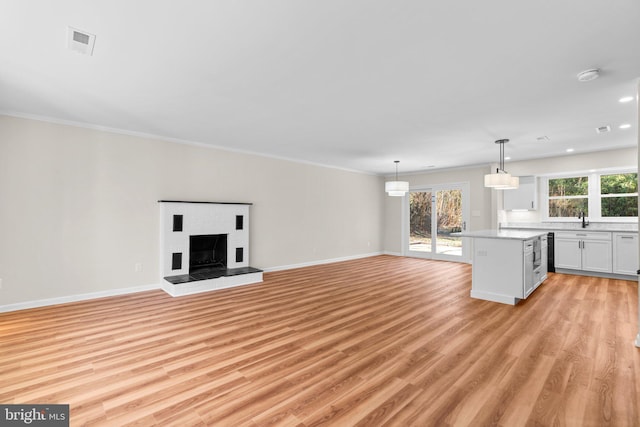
80, 41
603, 129
542, 138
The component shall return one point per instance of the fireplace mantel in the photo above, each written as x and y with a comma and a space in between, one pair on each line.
183, 222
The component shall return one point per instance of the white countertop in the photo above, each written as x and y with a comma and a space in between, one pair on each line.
571, 226
503, 234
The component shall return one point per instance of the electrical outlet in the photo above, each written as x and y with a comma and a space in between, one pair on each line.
138, 267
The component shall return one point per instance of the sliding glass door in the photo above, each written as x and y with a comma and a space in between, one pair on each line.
420, 221
433, 215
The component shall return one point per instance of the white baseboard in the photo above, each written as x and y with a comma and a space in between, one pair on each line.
596, 274
320, 262
73, 298
113, 292
393, 253
490, 296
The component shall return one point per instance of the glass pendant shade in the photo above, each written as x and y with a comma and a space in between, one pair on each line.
498, 180
396, 188
501, 180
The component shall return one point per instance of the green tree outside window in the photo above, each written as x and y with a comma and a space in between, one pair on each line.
619, 195
568, 196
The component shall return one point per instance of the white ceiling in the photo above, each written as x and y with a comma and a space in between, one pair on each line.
352, 84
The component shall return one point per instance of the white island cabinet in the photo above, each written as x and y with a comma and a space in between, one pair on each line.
507, 265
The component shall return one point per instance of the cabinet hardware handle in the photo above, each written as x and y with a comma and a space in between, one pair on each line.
579, 245
626, 237
581, 234
532, 204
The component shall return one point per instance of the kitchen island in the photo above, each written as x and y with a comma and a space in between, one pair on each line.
508, 265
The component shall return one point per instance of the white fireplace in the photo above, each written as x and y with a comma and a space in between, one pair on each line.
204, 246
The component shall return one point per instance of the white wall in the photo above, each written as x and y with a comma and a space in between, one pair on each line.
575, 163
479, 198
78, 207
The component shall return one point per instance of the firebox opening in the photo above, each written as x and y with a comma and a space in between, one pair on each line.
207, 252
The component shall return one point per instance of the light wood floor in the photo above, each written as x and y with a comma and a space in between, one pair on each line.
378, 341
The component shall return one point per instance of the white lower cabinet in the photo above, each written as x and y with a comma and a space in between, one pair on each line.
596, 256
584, 251
625, 253
568, 253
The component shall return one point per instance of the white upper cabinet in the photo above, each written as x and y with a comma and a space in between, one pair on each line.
524, 197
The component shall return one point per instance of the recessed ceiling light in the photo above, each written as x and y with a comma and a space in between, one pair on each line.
569, 150
625, 126
626, 99
588, 75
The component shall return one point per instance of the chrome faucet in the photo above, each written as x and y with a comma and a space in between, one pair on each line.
584, 222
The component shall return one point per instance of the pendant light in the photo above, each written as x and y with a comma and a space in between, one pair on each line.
396, 188
501, 180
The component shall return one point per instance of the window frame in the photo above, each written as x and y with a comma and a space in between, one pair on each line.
594, 196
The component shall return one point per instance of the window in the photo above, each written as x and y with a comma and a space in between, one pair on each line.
619, 195
568, 197
606, 196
